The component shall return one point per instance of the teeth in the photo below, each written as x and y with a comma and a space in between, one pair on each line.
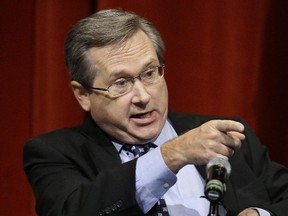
144, 115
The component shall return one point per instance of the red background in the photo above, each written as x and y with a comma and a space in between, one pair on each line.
223, 58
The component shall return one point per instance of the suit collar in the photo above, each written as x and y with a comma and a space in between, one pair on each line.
99, 145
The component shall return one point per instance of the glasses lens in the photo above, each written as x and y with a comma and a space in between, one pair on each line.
120, 87
149, 77
152, 75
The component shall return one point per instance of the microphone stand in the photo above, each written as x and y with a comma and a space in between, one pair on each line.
218, 169
214, 209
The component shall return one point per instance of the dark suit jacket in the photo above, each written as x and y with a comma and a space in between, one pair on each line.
77, 172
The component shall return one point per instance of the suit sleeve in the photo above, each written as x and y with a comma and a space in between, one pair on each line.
69, 185
260, 181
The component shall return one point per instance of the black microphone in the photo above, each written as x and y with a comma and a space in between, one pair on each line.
218, 169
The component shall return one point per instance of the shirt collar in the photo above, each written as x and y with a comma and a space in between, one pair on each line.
167, 133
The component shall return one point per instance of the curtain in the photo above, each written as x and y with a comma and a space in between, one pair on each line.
35, 92
225, 58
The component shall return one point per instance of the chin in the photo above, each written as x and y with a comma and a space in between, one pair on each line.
146, 137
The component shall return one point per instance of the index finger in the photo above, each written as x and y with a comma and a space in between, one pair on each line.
228, 126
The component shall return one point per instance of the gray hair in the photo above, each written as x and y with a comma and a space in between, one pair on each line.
104, 28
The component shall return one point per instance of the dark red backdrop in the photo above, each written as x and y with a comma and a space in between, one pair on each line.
223, 58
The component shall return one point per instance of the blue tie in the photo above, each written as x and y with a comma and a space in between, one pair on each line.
138, 150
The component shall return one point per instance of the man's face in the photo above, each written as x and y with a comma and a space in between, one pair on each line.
138, 116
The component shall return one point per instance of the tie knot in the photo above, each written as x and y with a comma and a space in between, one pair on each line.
138, 150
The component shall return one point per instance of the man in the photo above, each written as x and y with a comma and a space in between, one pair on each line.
116, 65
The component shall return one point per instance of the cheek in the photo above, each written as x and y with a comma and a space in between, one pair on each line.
109, 111
161, 94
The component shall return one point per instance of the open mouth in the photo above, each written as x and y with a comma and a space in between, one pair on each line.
142, 115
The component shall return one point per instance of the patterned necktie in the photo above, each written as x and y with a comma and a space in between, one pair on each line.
138, 150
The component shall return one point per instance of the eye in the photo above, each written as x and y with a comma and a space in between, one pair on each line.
121, 83
149, 73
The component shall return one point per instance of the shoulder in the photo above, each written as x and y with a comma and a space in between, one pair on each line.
199, 117
59, 135
60, 140
187, 121
75, 135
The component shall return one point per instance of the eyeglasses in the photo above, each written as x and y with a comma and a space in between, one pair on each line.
122, 86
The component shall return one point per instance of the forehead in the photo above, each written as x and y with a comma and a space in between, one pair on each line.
137, 51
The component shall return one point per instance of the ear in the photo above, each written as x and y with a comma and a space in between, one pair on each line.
81, 94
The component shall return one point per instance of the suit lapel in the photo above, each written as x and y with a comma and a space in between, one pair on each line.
98, 145
230, 200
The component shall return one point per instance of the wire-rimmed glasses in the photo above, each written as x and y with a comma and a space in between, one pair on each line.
122, 86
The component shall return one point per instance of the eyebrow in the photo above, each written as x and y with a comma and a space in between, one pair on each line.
122, 73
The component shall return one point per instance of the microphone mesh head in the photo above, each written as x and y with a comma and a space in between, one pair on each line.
220, 161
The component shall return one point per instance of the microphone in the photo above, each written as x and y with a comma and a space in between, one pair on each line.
218, 169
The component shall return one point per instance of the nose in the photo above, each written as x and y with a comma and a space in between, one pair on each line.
140, 94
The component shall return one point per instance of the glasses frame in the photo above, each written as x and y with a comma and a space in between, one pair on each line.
161, 67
